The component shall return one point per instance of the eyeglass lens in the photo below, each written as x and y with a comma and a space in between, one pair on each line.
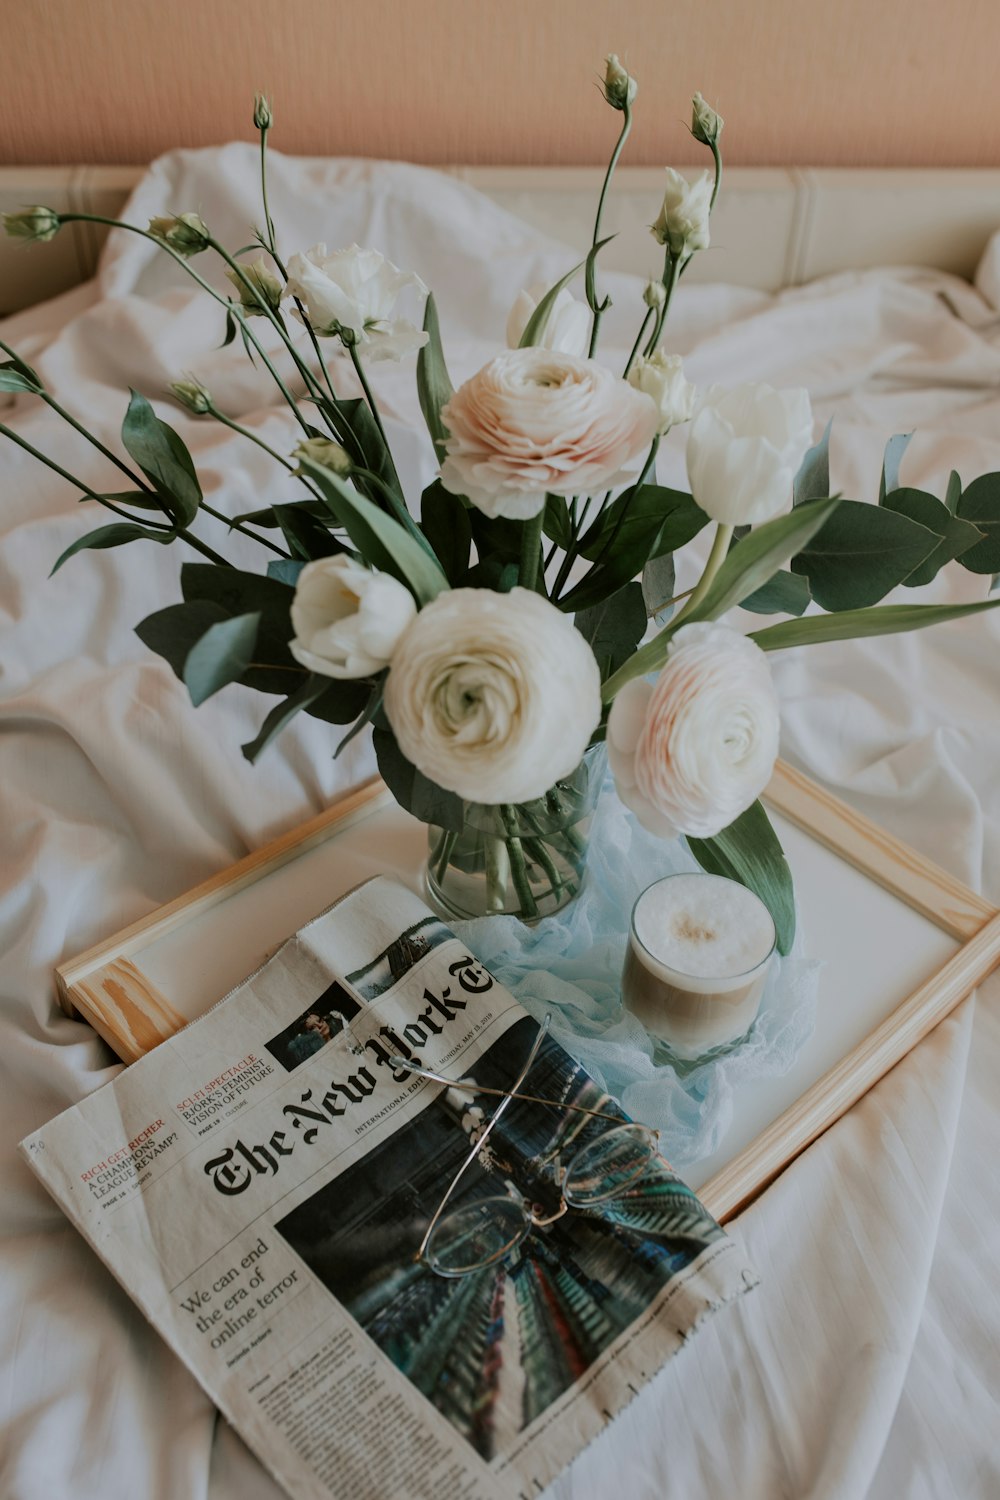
476, 1235
608, 1165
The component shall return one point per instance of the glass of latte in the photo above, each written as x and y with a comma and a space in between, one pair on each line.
699, 950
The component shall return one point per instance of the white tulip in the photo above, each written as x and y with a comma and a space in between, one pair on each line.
745, 446
662, 377
348, 621
693, 750
683, 219
493, 696
351, 294
567, 328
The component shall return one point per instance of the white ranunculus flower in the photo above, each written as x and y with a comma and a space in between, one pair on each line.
744, 448
693, 750
567, 328
354, 291
683, 219
534, 421
662, 377
493, 696
347, 620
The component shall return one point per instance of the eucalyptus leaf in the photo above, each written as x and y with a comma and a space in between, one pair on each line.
282, 715
285, 569
240, 593
342, 700
221, 656
956, 536
366, 716
174, 631
412, 790
164, 459
614, 628
849, 624
861, 554
749, 851
446, 525
380, 539
641, 525
497, 539
784, 594
535, 328
953, 493
759, 556
12, 379
306, 535
659, 580
812, 482
980, 504
434, 387
556, 523
116, 535
894, 450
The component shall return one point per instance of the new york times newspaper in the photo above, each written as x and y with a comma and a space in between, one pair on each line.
261, 1182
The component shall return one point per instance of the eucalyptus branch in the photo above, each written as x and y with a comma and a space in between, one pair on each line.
591, 275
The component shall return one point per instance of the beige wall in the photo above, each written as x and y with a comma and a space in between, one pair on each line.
801, 82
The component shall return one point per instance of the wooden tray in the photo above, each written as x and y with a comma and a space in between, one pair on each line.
904, 943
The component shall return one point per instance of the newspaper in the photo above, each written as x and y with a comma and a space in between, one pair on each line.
261, 1184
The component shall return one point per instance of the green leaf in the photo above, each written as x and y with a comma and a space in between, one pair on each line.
784, 594
759, 556
12, 379
848, 624
15, 362
342, 701
497, 540
366, 716
953, 494
535, 327
285, 569
434, 387
412, 790
861, 553
164, 459
446, 525
305, 534
956, 537
556, 523
812, 482
239, 593
642, 524
980, 504
749, 851
659, 580
360, 435
174, 631
115, 535
221, 656
282, 715
381, 540
230, 328
614, 628
894, 450
140, 499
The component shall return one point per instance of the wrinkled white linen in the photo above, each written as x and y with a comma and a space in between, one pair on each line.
866, 1363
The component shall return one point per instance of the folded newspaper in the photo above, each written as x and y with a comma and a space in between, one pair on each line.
263, 1183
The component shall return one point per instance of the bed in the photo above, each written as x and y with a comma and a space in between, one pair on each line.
866, 1363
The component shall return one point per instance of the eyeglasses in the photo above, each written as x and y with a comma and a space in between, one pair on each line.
482, 1232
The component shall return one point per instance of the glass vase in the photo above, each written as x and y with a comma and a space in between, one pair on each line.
517, 859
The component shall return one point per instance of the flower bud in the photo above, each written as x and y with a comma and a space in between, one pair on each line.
706, 125
32, 224
326, 453
620, 88
264, 291
683, 219
263, 118
192, 394
655, 295
186, 233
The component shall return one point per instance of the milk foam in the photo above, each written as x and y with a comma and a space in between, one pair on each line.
702, 926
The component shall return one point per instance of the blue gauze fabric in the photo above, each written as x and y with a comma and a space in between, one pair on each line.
570, 965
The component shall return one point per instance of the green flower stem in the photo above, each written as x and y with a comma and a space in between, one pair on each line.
717, 158
591, 279
239, 526
672, 268
352, 350
717, 556
447, 848
518, 868
268, 221
398, 508
650, 461
497, 874
245, 432
531, 551
638, 343
537, 851
181, 532
556, 807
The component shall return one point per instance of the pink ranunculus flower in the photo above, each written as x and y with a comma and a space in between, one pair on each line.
693, 750
536, 421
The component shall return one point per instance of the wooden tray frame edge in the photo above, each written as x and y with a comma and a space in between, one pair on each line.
938, 896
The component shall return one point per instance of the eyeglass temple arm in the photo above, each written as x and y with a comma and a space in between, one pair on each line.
476, 1088
508, 1094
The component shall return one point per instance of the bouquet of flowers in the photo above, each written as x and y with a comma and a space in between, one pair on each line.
524, 612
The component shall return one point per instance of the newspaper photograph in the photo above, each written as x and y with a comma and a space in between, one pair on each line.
405, 1242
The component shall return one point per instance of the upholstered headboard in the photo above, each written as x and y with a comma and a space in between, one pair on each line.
773, 227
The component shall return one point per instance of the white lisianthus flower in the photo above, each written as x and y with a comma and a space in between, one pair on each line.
745, 446
706, 123
683, 219
567, 328
325, 452
348, 621
493, 696
620, 88
352, 292
258, 287
534, 421
693, 750
661, 376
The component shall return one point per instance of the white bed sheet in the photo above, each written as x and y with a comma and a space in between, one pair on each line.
866, 1364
